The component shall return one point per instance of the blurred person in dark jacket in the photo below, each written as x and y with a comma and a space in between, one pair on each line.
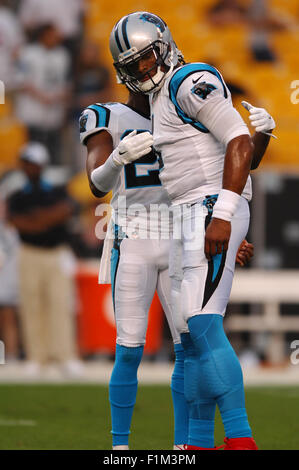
40, 213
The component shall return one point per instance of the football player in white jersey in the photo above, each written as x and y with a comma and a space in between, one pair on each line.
206, 153
143, 265
115, 134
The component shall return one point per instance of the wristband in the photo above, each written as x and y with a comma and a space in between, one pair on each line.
226, 205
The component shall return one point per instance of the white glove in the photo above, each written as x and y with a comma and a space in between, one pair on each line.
260, 118
132, 147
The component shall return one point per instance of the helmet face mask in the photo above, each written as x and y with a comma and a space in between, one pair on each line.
143, 70
143, 50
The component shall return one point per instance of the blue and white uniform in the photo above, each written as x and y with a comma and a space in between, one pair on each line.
193, 121
139, 267
139, 261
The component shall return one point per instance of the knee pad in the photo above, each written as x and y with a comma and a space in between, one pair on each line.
126, 364
131, 332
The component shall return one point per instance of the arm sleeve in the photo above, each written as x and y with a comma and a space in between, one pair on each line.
106, 176
205, 98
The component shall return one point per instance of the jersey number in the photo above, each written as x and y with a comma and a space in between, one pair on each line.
132, 179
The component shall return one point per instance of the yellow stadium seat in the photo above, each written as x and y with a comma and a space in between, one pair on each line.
12, 136
227, 48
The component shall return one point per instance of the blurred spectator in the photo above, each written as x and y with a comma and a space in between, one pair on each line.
257, 16
9, 294
263, 23
44, 89
92, 79
11, 39
40, 213
66, 15
227, 12
91, 85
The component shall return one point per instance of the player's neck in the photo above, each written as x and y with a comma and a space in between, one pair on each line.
139, 102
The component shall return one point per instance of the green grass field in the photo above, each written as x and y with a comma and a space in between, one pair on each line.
78, 417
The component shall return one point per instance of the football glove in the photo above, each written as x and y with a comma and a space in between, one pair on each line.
260, 119
132, 147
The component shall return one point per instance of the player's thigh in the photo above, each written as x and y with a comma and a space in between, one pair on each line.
206, 285
135, 284
175, 259
164, 293
218, 300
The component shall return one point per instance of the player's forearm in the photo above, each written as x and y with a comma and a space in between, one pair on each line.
99, 148
105, 177
236, 170
237, 163
95, 191
132, 147
264, 124
260, 142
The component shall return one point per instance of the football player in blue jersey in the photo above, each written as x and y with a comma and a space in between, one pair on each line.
206, 153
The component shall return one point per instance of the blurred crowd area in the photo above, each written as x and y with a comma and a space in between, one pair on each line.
54, 61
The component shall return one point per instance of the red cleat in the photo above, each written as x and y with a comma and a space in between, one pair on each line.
240, 443
188, 447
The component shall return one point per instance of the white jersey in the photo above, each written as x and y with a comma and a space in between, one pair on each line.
138, 181
192, 155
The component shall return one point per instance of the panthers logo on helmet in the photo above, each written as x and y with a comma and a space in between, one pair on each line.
203, 89
153, 19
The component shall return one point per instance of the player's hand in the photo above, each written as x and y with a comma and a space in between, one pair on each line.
260, 118
217, 237
132, 147
245, 253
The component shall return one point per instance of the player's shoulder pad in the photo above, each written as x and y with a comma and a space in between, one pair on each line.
95, 118
199, 78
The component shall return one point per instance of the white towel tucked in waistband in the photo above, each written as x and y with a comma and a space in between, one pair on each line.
104, 273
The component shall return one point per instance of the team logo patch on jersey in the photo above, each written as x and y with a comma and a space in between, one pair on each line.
153, 19
82, 122
203, 89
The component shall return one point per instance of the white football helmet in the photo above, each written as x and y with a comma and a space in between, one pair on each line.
143, 36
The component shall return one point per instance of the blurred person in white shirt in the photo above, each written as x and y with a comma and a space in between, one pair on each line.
11, 39
43, 84
66, 15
